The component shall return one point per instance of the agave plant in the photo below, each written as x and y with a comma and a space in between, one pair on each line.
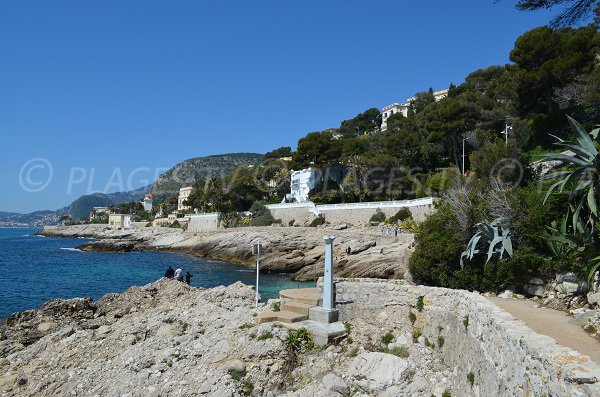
494, 236
567, 242
582, 170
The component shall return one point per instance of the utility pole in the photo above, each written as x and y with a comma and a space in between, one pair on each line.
463, 157
507, 128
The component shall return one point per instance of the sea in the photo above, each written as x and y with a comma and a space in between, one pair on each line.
36, 269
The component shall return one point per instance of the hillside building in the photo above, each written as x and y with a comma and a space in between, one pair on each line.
302, 182
402, 108
184, 193
147, 202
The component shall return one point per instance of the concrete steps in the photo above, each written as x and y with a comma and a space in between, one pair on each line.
283, 316
295, 304
297, 307
309, 296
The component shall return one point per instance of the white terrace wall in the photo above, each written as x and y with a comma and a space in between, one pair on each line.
361, 213
355, 213
300, 213
203, 223
506, 357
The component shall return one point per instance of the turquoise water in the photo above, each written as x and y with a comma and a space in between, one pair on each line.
37, 269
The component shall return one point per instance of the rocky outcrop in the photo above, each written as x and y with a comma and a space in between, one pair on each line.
169, 339
285, 249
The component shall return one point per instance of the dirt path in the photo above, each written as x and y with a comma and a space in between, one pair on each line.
553, 323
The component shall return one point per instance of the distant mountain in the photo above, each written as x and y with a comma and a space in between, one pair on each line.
81, 207
185, 173
198, 169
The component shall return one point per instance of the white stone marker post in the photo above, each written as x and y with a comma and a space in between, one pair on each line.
326, 313
256, 249
328, 274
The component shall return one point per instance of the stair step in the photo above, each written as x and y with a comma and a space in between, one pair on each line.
296, 307
308, 296
283, 316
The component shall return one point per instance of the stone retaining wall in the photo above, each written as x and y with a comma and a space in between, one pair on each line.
358, 214
204, 223
506, 357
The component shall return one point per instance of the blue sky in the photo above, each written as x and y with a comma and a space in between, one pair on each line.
110, 93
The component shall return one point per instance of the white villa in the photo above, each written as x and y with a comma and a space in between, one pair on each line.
119, 221
184, 193
302, 182
147, 202
402, 108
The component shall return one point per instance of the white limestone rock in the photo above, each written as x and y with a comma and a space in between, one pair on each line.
376, 371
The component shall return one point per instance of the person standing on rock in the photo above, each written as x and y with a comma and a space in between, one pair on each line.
178, 275
188, 276
170, 272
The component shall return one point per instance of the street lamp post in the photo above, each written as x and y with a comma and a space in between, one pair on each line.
256, 249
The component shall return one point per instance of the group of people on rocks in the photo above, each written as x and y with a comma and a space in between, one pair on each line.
177, 274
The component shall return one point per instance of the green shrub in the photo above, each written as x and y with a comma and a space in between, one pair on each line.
446, 393
400, 351
378, 216
347, 326
353, 352
590, 329
247, 387
236, 375
466, 321
275, 306
299, 340
416, 334
388, 337
471, 378
441, 341
261, 215
318, 221
265, 336
436, 256
402, 215
412, 317
420, 303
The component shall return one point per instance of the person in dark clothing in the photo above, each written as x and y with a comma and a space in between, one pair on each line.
188, 276
170, 272
349, 250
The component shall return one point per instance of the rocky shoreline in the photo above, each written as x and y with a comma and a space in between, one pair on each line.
169, 339
296, 250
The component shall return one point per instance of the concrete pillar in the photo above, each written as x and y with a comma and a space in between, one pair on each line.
328, 274
326, 314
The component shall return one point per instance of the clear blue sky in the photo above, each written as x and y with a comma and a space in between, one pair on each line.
102, 88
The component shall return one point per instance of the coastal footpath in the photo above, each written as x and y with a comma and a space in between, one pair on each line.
169, 339
297, 250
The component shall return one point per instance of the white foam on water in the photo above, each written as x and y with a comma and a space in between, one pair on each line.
71, 249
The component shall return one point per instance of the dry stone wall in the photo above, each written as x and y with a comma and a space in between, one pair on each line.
482, 344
